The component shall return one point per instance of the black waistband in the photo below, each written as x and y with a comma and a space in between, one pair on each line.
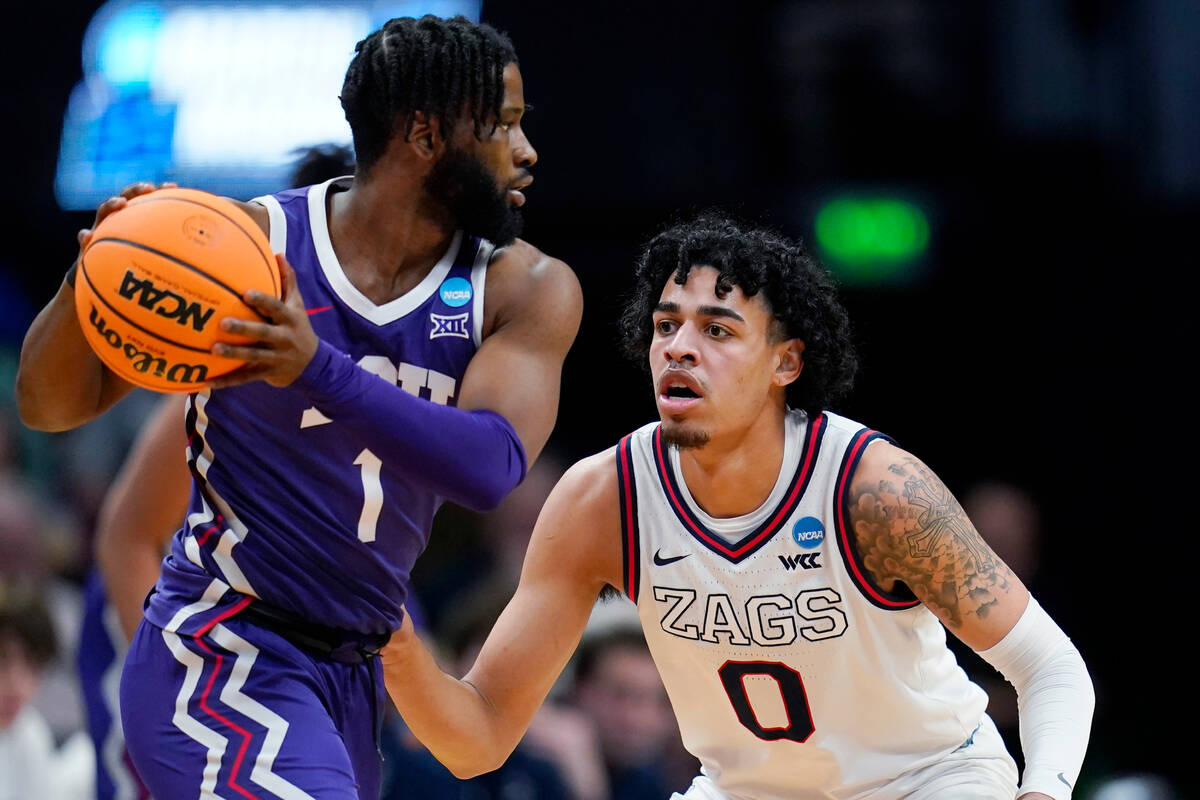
337, 644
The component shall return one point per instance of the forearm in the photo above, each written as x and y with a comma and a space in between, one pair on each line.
61, 384
1055, 700
130, 570
473, 458
448, 716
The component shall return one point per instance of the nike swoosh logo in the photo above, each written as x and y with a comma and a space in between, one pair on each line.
662, 562
1064, 780
311, 311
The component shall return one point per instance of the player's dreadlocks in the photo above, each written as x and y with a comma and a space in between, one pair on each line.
447, 68
798, 292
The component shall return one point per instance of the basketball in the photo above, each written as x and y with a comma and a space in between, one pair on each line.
158, 276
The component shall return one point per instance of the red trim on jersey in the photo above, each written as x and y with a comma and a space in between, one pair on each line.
224, 615
629, 530
849, 554
813, 436
245, 734
203, 537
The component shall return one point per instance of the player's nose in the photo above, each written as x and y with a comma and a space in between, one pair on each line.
524, 156
683, 344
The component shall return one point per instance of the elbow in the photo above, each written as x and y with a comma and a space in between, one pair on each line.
38, 412
464, 771
35, 414
488, 489
487, 497
472, 765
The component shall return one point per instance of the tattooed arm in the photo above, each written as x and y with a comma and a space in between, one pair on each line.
908, 527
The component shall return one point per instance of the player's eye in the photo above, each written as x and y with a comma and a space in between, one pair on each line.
716, 331
664, 326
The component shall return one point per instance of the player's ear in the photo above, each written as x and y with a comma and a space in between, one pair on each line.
425, 137
789, 362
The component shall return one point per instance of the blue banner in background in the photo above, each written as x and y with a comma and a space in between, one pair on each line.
219, 96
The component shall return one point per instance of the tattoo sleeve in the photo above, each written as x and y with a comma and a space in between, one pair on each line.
909, 527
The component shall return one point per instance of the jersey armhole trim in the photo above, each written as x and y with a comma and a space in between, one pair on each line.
483, 257
631, 560
277, 222
890, 601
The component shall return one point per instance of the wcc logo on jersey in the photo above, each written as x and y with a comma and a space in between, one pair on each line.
809, 533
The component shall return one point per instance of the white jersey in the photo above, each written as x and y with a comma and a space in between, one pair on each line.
791, 674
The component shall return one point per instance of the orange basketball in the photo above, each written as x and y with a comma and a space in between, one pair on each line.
158, 276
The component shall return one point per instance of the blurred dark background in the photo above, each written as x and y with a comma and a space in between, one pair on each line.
1042, 341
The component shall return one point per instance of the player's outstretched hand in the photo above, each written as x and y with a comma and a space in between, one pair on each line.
116, 203
282, 347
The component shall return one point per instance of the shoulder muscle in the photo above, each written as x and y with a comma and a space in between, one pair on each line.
909, 527
580, 525
527, 286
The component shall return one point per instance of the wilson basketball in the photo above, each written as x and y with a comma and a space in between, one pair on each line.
158, 276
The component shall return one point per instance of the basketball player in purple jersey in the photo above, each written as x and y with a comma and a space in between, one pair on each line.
142, 509
415, 356
792, 569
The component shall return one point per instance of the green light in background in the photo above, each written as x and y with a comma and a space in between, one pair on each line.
865, 239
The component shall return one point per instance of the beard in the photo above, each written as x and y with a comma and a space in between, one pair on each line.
675, 434
464, 186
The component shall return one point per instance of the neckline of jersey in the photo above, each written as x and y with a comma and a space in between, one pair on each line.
780, 511
733, 528
345, 290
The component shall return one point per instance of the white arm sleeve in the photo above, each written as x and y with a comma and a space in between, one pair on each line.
1054, 700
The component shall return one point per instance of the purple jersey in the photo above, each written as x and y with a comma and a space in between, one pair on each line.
287, 505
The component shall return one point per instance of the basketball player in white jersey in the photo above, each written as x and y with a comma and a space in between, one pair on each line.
792, 569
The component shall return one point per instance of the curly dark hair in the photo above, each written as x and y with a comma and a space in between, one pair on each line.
447, 68
799, 293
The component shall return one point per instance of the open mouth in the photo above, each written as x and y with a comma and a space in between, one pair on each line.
678, 391
681, 392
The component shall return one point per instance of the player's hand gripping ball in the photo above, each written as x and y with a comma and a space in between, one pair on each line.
156, 278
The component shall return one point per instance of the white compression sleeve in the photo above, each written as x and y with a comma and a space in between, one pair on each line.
1054, 700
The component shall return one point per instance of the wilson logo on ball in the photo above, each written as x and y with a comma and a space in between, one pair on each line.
164, 302
144, 362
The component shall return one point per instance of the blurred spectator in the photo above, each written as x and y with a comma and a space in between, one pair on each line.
1008, 518
476, 557
38, 545
412, 773
32, 767
617, 684
321, 162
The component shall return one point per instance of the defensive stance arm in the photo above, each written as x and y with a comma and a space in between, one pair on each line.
472, 725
